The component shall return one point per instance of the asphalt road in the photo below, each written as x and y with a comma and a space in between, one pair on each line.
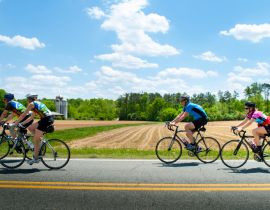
136, 184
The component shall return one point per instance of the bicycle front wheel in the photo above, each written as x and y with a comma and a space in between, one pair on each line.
55, 153
208, 150
4, 147
234, 154
168, 150
15, 157
266, 154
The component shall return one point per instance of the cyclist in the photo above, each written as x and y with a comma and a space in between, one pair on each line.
13, 109
253, 115
37, 128
199, 116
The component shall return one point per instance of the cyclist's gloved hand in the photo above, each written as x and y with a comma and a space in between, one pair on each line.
21, 126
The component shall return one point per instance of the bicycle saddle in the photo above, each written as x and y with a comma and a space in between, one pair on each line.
202, 129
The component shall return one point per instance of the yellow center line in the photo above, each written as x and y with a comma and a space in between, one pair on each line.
11, 182
102, 188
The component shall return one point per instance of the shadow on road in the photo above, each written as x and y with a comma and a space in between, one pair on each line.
248, 171
179, 164
20, 171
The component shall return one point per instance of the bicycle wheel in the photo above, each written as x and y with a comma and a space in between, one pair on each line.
234, 155
266, 154
15, 157
55, 153
168, 150
208, 150
4, 147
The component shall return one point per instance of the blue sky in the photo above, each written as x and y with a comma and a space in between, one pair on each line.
93, 49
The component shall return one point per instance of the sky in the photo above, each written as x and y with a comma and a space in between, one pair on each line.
103, 49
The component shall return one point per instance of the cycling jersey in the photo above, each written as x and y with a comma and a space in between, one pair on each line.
15, 107
195, 110
41, 109
259, 117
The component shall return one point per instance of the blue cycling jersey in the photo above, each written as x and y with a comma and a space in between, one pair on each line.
195, 110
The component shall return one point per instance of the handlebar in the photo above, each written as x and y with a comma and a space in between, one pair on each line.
241, 133
169, 126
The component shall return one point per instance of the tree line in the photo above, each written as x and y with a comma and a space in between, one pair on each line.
156, 107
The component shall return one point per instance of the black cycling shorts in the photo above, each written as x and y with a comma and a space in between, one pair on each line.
27, 124
199, 123
267, 128
44, 123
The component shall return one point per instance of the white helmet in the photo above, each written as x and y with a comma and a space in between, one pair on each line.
31, 96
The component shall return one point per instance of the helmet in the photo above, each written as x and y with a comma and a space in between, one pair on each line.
31, 96
184, 97
8, 96
250, 104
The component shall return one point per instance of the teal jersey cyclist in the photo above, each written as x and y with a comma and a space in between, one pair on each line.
13, 109
40, 127
199, 119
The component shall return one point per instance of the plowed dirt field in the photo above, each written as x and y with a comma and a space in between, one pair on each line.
146, 136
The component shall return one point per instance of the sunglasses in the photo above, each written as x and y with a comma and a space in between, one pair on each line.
246, 108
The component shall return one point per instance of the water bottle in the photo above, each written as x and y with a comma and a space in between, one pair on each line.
30, 144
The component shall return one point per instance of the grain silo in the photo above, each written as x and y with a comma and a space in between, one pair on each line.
61, 106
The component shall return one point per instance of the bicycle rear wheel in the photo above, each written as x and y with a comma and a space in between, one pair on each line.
55, 153
4, 147
14, 158
234, 155
168, 150
266, 154
208, 150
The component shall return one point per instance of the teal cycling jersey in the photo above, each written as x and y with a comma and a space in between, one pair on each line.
195, 110
41, 109
15, 107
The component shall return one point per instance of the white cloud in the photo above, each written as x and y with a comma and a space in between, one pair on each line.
38, 69
252, 32
70, 70
95, 12
242, 60
210, 56
20, 41
240, 77
184, 71
132, 26
126, 61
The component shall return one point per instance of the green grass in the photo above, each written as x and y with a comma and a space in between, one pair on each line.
79, 133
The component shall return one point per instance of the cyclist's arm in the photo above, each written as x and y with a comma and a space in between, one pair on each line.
247, 124
244, 122
180, 117
3, 115
23, 115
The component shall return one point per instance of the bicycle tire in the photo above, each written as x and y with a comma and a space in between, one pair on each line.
12, 160
4, 147
209, 150
232, 160
266, 154
53, 149
161, 149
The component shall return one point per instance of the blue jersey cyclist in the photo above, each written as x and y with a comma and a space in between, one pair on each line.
199, 119
13, 109
37, 128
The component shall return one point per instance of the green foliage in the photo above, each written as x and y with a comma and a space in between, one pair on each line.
167, 114
2, 104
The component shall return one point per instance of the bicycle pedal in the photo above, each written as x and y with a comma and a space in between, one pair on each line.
191, 154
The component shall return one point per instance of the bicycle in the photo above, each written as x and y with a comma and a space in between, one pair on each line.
53, 153
169, 149
235, 153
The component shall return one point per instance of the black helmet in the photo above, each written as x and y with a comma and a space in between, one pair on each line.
184, 97
250, 104
9, 96
31, 96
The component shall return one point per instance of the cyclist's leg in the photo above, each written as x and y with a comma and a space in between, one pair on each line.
189, 127
33, 129
257, 132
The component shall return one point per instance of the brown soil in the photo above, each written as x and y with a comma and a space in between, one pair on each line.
143, 137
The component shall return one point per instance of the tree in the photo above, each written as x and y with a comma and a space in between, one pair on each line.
266, 90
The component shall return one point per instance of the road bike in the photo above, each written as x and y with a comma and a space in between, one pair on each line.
235, 153
169, 149
53, 153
